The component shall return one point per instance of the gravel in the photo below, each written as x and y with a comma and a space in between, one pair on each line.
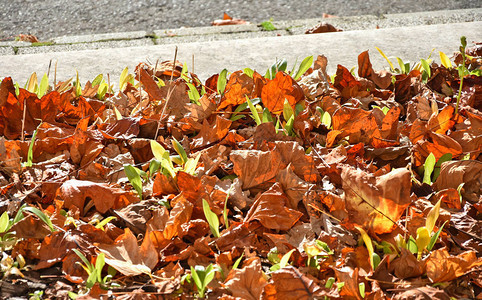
52, 18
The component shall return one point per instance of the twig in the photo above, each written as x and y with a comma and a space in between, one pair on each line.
169, 92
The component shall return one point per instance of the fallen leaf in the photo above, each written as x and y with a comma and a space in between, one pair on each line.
127, 257
75, 193
247, 282
290, 283
282, 87
442, 267
376, 203
321, 28
228, 20
270, 209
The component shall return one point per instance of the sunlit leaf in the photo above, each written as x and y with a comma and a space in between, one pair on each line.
304, 66
434, 238
428, 168
212, 218
386, 58
4, 222
41, 215
180, 150
221, 84
43, 87
433, 216
133, 174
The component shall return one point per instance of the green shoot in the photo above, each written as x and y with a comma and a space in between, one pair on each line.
361, 289
428, 167
212, 218
304, 66
438, 165
254, 111
44, 86
238, 261
374, 258
202, 277
180, 150
41, 215
386, 58
279, 65
222, 81
193, 93
445, 60
283, 261
134, 176
94, 271
287, 110
125, 78
426, 70
30, 148
462, 70
249, 72
78, 88
104, 222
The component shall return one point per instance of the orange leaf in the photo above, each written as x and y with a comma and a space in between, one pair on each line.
241, 85
290, 283
376, 203
75, 193
270, 209
248, 282
277, 90
150, 86
443, 267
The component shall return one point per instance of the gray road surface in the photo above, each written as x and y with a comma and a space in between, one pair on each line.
52, 18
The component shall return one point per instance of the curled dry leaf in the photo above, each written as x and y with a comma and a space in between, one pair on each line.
455, 173
321, 28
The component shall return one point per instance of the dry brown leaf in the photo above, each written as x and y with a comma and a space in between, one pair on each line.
270, 209
127, 257
78, 193
247, 282
282, 87
442, 267
321, 28
376, 203
290, 283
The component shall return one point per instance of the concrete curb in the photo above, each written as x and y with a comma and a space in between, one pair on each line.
214, 33
408, 43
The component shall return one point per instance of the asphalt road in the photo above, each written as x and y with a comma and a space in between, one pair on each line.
52, 18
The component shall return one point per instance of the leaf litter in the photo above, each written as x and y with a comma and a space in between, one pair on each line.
246, 186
